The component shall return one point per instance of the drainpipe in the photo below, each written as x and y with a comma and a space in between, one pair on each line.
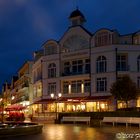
90, 64
116, 73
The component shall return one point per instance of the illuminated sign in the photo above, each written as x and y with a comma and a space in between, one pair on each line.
72, 100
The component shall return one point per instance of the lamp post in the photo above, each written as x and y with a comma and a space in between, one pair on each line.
56, 97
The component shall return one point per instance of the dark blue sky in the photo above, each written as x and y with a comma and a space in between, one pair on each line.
26, 24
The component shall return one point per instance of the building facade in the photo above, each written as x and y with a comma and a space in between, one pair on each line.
82, 67
6, 93
21, 87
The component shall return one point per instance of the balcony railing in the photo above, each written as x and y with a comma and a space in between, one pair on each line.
74, 73
126, 68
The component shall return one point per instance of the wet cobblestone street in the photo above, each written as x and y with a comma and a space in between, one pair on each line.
79, 132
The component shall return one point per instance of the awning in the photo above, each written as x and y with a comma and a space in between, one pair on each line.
73, 99
15, 107
1, 109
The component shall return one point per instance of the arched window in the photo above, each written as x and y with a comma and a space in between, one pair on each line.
101, 64
52, 70
138, 63
136, 38
51, 49
103, 38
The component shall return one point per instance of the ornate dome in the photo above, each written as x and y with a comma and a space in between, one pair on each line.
76, 13
77, 18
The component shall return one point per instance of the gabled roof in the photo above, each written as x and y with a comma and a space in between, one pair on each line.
89, 33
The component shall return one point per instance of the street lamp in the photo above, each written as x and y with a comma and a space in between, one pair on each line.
13, 97
56, 97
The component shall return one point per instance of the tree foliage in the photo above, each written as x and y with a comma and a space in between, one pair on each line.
124, 89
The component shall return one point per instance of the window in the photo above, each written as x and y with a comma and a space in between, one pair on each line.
51, 88
37, 74
138, 63
138, 82
77, 67
75, 42
73, 87
51, 70
122, 64
76, 86
51, 50
101, 64
66, 68
87, 66
79, 86
136, 39
87, 86
103, 38
101, 84
65, 87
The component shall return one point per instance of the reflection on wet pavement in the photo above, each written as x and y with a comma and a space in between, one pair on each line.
79, 132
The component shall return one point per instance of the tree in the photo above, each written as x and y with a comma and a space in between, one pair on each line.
124, 89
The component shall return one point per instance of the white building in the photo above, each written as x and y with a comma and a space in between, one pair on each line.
82, 66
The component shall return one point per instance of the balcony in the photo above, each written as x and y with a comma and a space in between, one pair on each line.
74, 73
123, 68
76, 95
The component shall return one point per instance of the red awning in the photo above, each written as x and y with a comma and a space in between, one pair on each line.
15, 107
1, 109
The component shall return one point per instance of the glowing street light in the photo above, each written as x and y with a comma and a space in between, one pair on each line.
56, 98
13, 97
52, 95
